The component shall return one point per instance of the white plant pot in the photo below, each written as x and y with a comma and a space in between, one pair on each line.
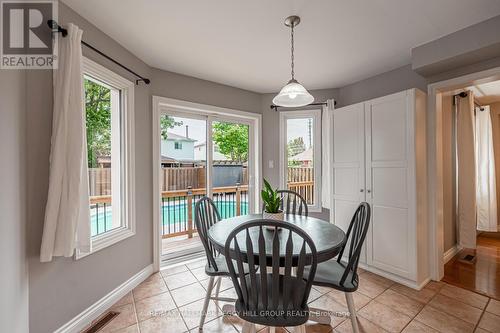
273, 216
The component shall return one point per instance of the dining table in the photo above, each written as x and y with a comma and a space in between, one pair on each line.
327, 237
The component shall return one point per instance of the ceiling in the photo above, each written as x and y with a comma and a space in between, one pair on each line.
245, 44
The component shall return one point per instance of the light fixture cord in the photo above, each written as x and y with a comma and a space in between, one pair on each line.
293, 49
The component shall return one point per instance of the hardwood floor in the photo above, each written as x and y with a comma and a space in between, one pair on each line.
483, 276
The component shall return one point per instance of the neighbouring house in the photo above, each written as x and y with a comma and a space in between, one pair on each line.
304, 159
200, 153
177, 147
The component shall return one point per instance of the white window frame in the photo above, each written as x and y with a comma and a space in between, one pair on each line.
127, 133
299, 114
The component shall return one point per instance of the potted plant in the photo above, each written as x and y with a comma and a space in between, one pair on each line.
272, 202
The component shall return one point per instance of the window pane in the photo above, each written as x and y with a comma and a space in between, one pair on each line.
230, 168
102, 110
300, 157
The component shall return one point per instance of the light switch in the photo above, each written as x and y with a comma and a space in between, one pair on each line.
271, 164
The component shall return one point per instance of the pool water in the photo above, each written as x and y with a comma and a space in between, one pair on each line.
171, 214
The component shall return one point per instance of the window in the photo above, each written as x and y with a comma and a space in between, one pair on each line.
300, 154
110, 155
178, 145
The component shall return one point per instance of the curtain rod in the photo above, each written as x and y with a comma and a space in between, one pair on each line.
464, 94
275, 107
56, 28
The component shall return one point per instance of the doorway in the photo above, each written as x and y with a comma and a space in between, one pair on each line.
464, 233
201, 150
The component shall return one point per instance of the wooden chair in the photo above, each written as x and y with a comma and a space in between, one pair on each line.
206, 215
268, 297
338, 274
292, 203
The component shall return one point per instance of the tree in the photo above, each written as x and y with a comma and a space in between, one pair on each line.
296, 146
98, 119
167, 123
232, 140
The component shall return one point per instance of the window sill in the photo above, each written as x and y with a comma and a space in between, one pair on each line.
107, 239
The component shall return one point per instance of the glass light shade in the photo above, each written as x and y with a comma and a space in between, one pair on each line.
293, 95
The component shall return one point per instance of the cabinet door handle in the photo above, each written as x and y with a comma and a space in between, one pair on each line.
361, 190
369, 191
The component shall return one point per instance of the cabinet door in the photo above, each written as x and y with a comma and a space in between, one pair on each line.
348, 164
389, 123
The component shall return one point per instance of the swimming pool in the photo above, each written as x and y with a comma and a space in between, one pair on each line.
173, 214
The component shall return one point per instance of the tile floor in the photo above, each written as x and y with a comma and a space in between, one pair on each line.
170, 301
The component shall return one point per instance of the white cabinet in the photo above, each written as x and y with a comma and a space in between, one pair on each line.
379, 157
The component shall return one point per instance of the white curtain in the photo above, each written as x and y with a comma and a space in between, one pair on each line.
326, 141
485, 177
67, 214
466, 172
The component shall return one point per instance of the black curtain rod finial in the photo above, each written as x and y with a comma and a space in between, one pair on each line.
56, 28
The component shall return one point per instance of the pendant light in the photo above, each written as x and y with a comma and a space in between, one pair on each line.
293, 94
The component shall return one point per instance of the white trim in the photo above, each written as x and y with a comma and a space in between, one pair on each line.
126, 87
451, 253
396, 278
184, 108
82, 320
316, 115
435, 161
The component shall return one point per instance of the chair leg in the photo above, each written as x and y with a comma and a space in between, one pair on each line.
207, 301
352, 311
272, 329
217, 288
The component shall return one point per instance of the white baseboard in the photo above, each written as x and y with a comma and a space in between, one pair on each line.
451, 253
406, 282
82, 320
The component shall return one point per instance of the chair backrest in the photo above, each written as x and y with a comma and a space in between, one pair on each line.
355, 237
292, 203
289, 247
206, 215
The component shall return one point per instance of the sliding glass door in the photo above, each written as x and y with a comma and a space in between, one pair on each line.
201, 155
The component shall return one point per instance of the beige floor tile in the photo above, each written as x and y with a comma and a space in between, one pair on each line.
423, 296
493, 307
417, 327
434, 285
154, 306
131, 329
384, 316
338, 312
179, 280
370, 288
153, 277
322, 290
169, 323
490, 322
226, 283
365, 326
127, 299
466, 296
480, 330
192, 313
400, 302
188, 294
125, 319
378, 279
173, 270
443, 322
197, 263
200, 274
456, 308
149, 288
314, 295
219, 325
360, 300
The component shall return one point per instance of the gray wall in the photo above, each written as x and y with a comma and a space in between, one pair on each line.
14, 275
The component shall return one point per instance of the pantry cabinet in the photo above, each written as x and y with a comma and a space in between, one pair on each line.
379, 156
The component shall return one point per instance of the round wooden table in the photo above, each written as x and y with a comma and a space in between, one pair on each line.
327, 237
